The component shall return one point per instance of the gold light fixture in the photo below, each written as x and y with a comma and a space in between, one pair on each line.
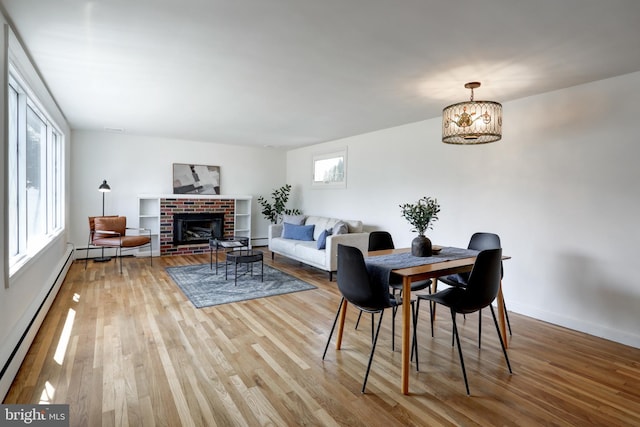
472, 122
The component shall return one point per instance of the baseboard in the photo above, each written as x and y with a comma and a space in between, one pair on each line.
259, 241
12, 365
584, 325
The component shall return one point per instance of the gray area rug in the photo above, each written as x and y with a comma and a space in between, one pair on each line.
205, 288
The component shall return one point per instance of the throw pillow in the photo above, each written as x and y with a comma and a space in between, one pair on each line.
322, 239
340, 228
297, 232
294, 219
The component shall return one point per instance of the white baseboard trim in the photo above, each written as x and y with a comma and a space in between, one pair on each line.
580, 325
12, 365
260, 242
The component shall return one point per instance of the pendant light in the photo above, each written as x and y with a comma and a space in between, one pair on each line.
472, 122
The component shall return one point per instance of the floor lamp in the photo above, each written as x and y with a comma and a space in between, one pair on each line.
104, 188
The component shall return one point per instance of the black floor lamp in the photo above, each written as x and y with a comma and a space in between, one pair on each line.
104, 188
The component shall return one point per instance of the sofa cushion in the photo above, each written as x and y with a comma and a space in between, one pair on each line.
297, 232
354, 226
284, 246
322, 223
340, 228
294, 219
322, 240
309, 252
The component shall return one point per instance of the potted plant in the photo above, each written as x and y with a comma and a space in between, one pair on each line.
421, 215
274, 211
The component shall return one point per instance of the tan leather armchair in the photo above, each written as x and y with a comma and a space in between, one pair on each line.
111, 232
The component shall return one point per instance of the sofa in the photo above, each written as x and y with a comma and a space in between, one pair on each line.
301, 237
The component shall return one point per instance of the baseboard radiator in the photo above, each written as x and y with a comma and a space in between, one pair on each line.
12, 365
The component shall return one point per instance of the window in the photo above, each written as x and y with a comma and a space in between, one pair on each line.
330, 170
35, 174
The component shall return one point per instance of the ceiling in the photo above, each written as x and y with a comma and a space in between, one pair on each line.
290, 73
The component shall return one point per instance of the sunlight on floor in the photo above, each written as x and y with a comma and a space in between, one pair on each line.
47, 394
64, 337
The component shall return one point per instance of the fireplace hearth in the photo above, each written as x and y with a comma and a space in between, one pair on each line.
196, 228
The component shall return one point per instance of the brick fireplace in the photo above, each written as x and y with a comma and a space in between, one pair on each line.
170, 207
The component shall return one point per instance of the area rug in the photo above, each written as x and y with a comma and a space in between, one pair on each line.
205, 288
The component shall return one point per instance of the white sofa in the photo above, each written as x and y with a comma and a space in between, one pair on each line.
307, 252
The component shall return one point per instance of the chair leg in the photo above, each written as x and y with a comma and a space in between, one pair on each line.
432, 312
394, 310
358, 321
504, 350
372, 325
373, 349
414, 344
455, 333
506, 315
393, 325
414, 347
479, 327
333, 327
120, 258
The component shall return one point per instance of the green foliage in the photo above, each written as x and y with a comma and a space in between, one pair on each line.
274, 211
422, 214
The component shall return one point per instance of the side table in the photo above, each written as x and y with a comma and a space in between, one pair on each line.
247, 257
229, 242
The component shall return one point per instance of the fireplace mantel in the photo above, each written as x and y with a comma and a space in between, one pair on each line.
155, 212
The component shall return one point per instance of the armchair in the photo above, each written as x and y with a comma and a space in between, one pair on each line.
111, 232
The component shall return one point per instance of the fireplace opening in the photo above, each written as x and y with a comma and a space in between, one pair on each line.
194, 228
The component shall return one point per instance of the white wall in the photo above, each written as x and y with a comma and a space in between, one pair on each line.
135, 165
559, 188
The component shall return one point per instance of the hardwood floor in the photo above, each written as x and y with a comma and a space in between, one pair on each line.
131, 349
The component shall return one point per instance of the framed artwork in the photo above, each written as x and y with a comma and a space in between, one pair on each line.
330, 170
196, 179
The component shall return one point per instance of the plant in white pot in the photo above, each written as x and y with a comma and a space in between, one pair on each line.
421, 215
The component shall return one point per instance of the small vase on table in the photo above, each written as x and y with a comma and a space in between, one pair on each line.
421, 246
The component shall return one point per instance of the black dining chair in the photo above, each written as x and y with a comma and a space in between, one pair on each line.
480, 291
357, 288
382, 240
478, 242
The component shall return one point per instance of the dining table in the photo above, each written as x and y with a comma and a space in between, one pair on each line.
446, 261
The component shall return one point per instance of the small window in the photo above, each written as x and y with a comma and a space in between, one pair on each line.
330, 170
